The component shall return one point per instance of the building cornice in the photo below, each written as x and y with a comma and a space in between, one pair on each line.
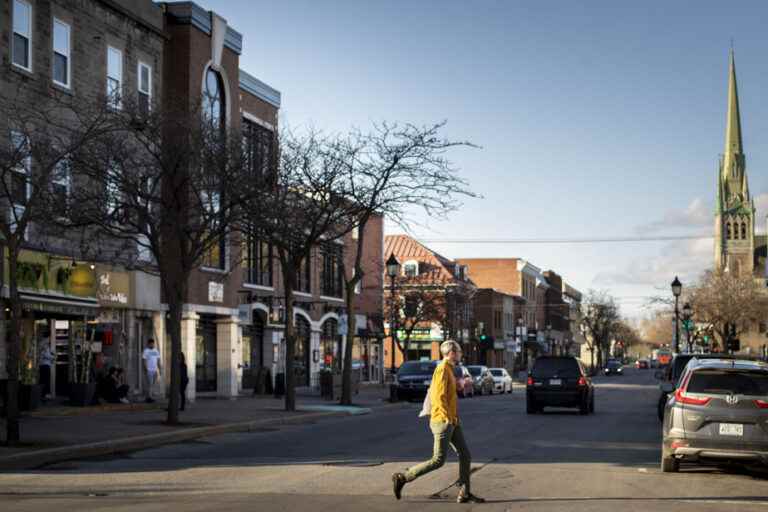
189, 13
253, 85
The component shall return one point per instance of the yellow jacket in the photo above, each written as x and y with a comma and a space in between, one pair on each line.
443, 394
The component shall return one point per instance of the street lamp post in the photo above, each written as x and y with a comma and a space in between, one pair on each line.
393, 269
677, 288
687, 315
550, 341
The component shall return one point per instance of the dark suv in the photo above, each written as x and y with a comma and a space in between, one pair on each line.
413, 379
559, 382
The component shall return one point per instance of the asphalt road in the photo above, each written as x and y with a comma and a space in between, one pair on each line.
555, 461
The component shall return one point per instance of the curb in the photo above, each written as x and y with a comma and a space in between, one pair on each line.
35, 459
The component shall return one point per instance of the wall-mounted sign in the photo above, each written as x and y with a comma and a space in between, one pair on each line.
114, 288
215, 291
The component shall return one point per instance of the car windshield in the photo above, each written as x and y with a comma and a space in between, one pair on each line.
417, 368
564, 367
726, 382
497, 373
614, 364
475, 370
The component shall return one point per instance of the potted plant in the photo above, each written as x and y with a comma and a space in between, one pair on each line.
81, 389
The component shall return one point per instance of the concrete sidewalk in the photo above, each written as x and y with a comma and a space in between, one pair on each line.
58, 433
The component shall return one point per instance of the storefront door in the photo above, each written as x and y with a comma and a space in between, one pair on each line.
205, 369
301, 356
253, 351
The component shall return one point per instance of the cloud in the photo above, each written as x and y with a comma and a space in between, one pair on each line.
684, 258
761, 204
698, 214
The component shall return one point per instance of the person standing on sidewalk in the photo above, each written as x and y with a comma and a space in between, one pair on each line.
47, 359
445, 426
152, 367
184, 380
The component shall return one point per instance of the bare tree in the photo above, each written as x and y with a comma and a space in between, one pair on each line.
163, 195
391, 170
599, 318
418, 307
626, 335
40, 135
301, 204
729, 302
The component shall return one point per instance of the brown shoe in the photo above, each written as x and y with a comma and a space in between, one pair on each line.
398, 482
469, 498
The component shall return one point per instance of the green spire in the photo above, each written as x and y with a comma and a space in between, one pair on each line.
733, 144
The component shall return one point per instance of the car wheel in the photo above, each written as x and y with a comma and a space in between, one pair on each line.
592, 405
660, 408
530, 407
490, 391
584, 407
669, 464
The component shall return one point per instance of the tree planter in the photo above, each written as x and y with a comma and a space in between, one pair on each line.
81, 394
29, 396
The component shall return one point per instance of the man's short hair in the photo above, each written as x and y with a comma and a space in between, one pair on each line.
150, 340
449, 346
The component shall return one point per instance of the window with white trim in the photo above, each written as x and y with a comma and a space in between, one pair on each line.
114, 77
61, 183
144, 87
22, 35
411, 268
19, 184
61, 53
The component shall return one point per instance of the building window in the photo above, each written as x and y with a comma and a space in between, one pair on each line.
411, 269
258, 144
22, 35
213, 99
303, 281
61, 44
216, 255
61, 181
257, 261
331, 275
144, 87
20, 186
743, 230
114, 77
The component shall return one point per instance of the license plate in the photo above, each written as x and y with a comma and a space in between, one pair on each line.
555, 382
731, 429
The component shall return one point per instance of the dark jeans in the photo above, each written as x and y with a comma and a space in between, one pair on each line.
45, 379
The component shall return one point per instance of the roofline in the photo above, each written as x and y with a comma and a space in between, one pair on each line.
253, 85
201, 19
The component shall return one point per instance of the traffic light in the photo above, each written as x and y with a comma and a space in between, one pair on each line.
733, 345
485, 340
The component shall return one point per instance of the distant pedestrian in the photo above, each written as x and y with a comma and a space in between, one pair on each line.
46, 361
184, 380
445, 426
152, 367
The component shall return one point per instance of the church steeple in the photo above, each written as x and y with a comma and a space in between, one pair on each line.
733, 142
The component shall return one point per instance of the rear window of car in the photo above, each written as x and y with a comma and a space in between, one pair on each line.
566, 367
497, 373
475, 370
719, 382
417, 368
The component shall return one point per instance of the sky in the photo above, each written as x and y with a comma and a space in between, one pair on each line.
595, 119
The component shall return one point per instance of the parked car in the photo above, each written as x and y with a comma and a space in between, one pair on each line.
465, 383
483, 379
670, 376
718, 413
502, 382
613, 367
642, 364
559, 381
413, 378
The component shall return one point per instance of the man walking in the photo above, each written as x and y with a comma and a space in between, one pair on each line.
152, 367
445, 426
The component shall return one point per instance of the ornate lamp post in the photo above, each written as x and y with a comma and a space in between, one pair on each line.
687, 315
393, 269
677, 289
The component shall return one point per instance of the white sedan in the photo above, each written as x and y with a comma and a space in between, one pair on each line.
502, 382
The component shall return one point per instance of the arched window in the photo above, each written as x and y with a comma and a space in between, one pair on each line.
728, 233
213, 99
743, 230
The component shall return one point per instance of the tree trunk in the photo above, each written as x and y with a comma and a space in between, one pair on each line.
289, 276
175, 293
346, 374
13, 433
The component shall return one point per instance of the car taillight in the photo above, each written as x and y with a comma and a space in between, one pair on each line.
761, 404
530, 381
681, 397
582, 381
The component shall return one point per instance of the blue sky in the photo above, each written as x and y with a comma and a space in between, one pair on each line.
596, 119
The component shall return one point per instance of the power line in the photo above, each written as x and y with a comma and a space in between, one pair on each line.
625, 239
